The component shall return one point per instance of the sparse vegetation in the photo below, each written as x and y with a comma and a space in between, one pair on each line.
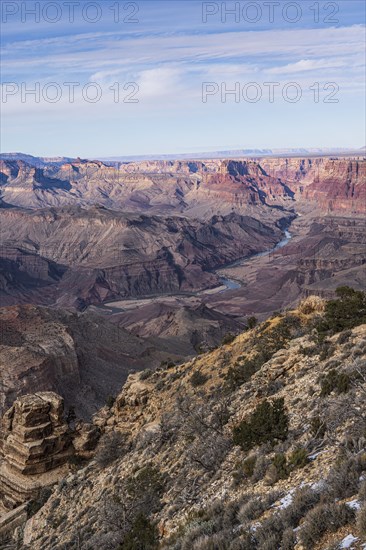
298, 458
40, 500
194, 437
241, 372
344, 478
228, 339
340, 382
111, 447
361, 521
346, 312
280, 467
198, 379
110, 401
317, 427
252, 322
268, 423
147, 373
323, 518
142, 536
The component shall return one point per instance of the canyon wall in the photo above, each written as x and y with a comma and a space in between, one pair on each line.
190, 186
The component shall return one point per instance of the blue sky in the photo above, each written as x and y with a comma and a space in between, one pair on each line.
166, 55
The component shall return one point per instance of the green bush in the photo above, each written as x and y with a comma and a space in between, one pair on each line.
267, 342
249, 465
198, 379
142, 536
227, 339
252, 322
145, 374
242, 372
340, 382
110, 401
147, 483
345, 313
111, 447
298, 459
244, 470
280, 463
268, 423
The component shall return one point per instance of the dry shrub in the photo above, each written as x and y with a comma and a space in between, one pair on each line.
324, 518
312, 304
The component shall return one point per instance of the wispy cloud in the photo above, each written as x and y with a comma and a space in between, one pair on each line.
169, 55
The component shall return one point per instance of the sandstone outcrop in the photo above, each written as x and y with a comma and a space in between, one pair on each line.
36, 443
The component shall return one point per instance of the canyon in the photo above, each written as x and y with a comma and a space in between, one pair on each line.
119, 278
166, 258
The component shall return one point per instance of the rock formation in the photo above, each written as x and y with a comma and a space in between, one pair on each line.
35, 445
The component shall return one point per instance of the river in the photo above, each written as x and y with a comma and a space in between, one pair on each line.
230, 284
226, 284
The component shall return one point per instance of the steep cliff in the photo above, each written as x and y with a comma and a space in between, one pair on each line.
84, 358
333, 185
35, 441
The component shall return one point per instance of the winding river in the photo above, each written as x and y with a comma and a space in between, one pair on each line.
226, 284
230, 284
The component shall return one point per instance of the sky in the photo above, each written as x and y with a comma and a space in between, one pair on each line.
117, 78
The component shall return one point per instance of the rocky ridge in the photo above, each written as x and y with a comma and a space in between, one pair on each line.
175, 453
35, 440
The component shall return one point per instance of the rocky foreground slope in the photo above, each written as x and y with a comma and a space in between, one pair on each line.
257, 445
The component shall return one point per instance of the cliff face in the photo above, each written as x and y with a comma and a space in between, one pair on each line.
84, 358
35, 440
168, 456
334, 185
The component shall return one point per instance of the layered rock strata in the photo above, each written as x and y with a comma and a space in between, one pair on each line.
35, 445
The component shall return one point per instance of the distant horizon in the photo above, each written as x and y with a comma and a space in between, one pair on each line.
250, 151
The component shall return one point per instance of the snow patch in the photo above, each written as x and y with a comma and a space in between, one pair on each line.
315, 455
348, 541
354, 504
286, 500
